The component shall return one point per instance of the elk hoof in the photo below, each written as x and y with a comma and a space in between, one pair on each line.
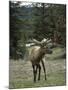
45, 78
38, 79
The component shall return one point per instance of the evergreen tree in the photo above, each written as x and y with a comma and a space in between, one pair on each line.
14, 28
49, 22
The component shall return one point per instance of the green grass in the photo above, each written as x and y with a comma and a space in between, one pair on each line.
21, 76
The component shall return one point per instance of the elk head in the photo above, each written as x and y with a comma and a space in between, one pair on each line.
45, 45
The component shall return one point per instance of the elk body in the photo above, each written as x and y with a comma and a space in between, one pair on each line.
36, 57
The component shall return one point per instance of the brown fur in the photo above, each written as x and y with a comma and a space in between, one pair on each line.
36, 57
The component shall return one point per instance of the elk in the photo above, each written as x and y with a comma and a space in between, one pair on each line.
38, 51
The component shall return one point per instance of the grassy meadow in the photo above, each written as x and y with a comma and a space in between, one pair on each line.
21, 76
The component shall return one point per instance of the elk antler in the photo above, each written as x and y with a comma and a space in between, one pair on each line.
44, 40
48, 41
36, 41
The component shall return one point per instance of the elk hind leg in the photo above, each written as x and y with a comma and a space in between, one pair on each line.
44, 68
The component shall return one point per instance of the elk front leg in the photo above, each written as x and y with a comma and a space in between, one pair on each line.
44, 68
39, 71
34, 72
